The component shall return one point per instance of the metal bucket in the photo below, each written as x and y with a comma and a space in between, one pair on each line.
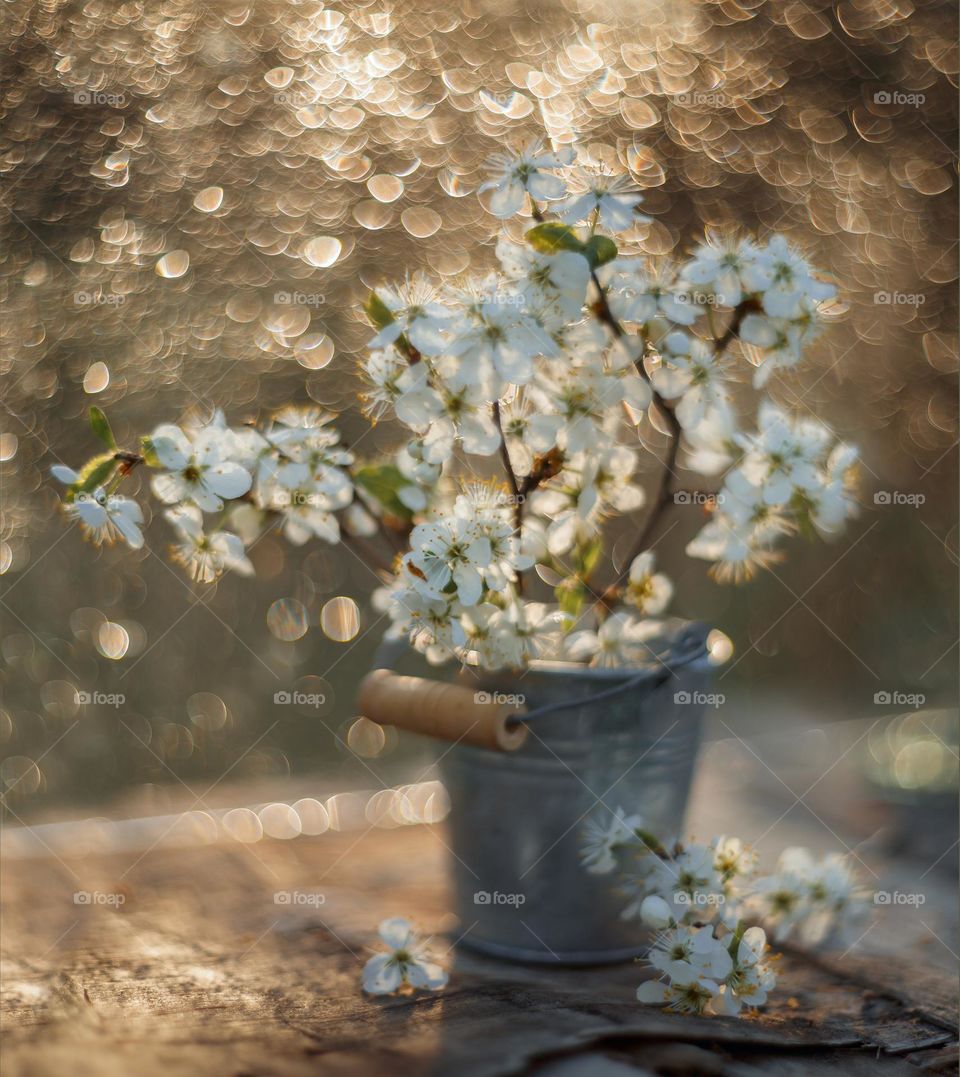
517, 818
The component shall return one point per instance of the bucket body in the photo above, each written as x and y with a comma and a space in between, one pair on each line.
517, 818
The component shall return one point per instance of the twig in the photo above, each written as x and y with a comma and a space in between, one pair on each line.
518, 498
665, 492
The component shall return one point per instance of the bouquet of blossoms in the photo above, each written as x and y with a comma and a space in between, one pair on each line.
709, 906
524, 393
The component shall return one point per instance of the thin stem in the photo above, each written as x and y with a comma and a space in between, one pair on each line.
518, 498
665, 491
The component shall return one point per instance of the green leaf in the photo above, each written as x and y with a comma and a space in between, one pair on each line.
383, 482
94, 473
598, 250
552, 236
377, 311
149, 453
570, 595
588, 555
100, 426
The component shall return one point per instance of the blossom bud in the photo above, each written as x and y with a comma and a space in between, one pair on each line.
655, 912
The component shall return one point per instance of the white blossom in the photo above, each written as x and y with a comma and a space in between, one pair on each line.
106, 517
725, 265
406, 965
604, 838
417, 314
527, 171
613, 197
206, 556
649, 591
618, 641
199, 471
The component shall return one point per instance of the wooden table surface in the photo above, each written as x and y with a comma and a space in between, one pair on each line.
200, 971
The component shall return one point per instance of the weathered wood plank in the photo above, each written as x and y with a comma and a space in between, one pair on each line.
199, 970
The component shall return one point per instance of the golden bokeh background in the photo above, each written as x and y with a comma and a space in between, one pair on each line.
195, 199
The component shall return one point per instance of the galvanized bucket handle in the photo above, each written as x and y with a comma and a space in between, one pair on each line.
691, 646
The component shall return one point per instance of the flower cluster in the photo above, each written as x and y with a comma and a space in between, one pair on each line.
542, 371
290, 472
711, 910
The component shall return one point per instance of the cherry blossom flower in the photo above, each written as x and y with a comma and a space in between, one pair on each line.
199, 472
604, 838
546, 281
617, 642
106, 517
726, 266
406, 965
447, 555
527, 172
649, 591
416, 314
614, 198
206, 556
697, 377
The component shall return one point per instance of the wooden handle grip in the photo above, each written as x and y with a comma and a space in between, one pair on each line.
448, 711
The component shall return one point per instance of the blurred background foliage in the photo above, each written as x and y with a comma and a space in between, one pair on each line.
174, 172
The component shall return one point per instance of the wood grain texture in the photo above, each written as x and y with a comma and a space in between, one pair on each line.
201, 971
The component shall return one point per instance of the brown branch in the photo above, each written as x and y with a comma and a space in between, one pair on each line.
518, 497
665, 491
